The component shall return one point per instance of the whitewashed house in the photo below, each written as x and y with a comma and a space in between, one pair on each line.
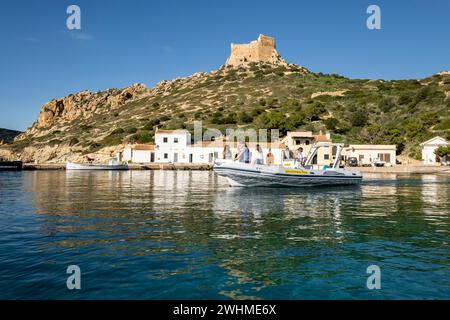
428, 148
172, 146
366, 154
139, 153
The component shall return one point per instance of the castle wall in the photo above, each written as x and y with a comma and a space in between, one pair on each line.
261, 50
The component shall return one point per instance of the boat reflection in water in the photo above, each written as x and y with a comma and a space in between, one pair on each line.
188, 235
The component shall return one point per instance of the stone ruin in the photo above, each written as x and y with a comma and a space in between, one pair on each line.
260, 50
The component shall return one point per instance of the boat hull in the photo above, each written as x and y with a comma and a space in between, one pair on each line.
78, 166
10, 165
266, 176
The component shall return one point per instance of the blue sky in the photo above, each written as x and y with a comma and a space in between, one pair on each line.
123, 42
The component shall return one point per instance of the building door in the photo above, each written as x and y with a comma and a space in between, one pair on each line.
175, 157
191, 158
152, 157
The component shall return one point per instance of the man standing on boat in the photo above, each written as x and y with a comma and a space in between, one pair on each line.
300, 158
287, 154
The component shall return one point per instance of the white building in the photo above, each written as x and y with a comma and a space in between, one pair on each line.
305, 140
366, 154
139, 153
174, 146
428, 148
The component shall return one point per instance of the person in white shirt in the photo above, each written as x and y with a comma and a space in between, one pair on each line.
300, 157
258, 156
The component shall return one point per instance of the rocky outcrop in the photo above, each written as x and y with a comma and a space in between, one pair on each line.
83, 105
260, 50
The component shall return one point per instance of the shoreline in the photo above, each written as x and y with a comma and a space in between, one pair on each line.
131, 166
399, 169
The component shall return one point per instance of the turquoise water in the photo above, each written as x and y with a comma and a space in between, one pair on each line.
187, 235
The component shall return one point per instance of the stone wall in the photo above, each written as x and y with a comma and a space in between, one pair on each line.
260, 50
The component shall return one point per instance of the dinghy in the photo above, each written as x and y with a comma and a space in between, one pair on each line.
112, 164
290, 174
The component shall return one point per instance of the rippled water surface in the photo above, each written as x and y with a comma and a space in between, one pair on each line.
187, 235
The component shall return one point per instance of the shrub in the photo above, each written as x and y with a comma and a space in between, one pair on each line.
359, 117
262, 102
117, 131
231, 118
245, 117
442, 151
131, 130
142, 136
386, 104
430, 118
331, 123
314, 111
404, 99
54, 142
73, 141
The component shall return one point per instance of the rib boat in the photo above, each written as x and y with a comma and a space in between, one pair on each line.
112, 164
290, 173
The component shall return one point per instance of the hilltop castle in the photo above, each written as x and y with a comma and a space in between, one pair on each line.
261, 50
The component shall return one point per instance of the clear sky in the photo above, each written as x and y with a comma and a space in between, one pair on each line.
123, 42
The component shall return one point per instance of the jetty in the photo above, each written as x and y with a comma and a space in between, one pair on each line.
131, 166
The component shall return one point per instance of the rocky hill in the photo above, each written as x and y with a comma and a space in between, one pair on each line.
7, 136
261, 92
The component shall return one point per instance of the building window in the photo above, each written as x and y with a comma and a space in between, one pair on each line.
326, 157
386, 157
175, 140
165, 139
166, 155
307, 142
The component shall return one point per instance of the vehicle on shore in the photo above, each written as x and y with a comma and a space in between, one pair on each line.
290, 173
352, 162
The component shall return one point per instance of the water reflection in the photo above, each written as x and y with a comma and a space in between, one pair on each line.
172, 227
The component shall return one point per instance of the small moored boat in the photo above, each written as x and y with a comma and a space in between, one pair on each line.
10, 165
290, 174
112, 164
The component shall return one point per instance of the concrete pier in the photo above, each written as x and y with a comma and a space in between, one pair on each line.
132, 166
406, 169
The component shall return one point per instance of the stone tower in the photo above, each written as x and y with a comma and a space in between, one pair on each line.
261, 50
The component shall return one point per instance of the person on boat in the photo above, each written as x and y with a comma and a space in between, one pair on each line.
244, 153
269, 158
226, 154
258, 158
287, 154
300, 158
238, 155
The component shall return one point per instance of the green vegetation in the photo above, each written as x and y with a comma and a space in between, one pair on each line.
401, 112
442, 151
